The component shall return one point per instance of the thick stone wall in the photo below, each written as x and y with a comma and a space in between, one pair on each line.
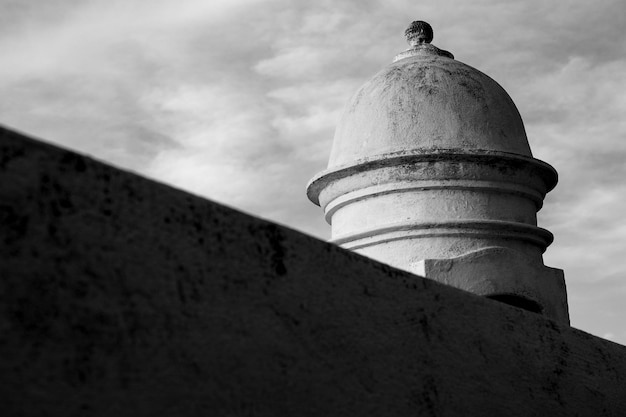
120, 296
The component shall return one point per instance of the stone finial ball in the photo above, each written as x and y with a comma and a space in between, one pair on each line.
419, 32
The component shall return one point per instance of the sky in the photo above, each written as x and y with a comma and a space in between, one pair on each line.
237, 100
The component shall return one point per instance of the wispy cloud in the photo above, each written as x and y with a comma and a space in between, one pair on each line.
237, 101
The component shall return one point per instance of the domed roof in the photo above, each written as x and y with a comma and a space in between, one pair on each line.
427, 102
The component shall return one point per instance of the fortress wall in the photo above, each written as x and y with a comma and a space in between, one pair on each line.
120, 296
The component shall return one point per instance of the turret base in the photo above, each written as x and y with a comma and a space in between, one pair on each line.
504, 275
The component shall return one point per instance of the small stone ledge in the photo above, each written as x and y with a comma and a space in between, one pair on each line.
122, 296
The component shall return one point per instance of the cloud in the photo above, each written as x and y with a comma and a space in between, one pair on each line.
237, 101
575, 124
94, 63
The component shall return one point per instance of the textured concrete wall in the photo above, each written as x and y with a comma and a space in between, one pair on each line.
120, 296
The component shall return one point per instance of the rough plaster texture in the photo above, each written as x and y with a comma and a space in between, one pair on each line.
120, 296
427, 102
471, 272
430, 162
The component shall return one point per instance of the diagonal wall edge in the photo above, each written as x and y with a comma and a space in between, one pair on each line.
122, 296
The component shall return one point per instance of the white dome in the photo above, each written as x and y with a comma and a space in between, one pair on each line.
427, 101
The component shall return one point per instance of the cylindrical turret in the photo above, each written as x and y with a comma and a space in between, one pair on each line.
431, 172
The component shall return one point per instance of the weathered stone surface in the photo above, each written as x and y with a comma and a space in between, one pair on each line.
430, 160
522, 280
120, 296
427, 102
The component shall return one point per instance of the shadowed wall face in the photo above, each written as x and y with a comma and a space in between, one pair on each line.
121, 296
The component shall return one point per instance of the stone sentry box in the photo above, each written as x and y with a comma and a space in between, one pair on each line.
431, 172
